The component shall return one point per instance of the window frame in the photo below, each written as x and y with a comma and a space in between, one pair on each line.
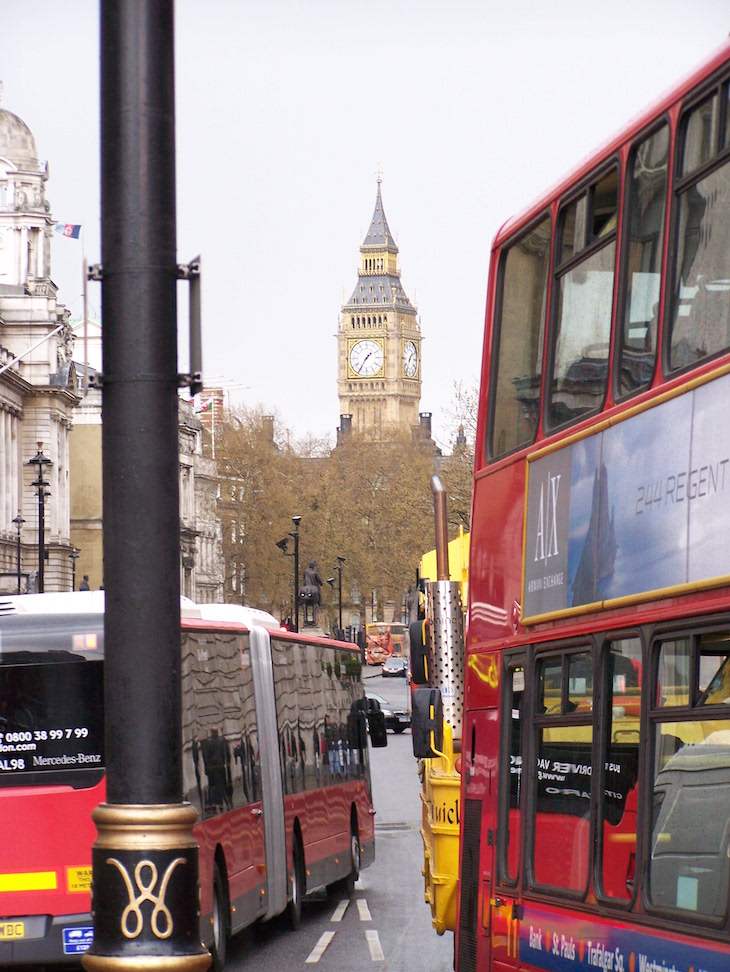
559, 270
536, 724
654, 715
490, 453
604, 717
620, 308
718, 84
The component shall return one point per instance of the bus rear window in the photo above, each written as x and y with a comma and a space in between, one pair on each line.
51, 719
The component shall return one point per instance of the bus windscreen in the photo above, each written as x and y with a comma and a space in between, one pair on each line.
51, 706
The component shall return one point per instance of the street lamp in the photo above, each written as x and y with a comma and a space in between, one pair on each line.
296, 520
18, 521
338, 568
73, 557
282, 545
40, 461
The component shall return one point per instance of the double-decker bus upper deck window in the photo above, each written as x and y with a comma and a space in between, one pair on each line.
647, 192
689, 866
518, 342
583, 302
700, 314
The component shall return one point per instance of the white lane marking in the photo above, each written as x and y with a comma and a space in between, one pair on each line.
318, 951
376, 952
362, 907
340, 911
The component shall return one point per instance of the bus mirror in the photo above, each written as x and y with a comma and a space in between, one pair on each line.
378, 733
419, 653
427, 725
375, 720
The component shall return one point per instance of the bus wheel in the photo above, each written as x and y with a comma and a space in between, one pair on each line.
297, 885
346, 885
220, 921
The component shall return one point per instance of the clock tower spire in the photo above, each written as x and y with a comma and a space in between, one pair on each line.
379, 340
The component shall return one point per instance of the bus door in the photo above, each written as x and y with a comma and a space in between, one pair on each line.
505, 902
480, 744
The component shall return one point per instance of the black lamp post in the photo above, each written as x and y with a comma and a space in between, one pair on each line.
282, 545
18, 521
40, 461
296, 520
73, 557
338, 568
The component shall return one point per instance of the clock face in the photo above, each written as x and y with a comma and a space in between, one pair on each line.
410, 359
366, 358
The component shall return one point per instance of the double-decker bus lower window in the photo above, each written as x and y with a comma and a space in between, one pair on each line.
689, 864
561, 848
647, 188
510, 836
620, 755
700, 325
519, 342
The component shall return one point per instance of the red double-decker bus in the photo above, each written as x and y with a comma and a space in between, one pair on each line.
595, 762
275, 760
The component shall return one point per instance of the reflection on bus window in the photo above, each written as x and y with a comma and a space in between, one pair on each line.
583, 331
699, 138
700, 326
620, 753
690, 837
519, 342
647, 188
582, 326
690, 840
561, 848
221, 767
320, 728
674, 673
510, 841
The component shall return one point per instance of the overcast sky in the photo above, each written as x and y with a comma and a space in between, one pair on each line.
285, 109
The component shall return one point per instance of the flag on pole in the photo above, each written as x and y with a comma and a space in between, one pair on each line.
204, 406
71, 230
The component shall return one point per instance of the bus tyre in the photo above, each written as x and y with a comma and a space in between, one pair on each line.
297, 885
220, 921
349, 883
346, 886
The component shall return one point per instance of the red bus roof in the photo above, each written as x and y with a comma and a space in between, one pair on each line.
604, 151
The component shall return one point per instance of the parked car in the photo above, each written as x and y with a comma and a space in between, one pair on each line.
395, 666
396, 719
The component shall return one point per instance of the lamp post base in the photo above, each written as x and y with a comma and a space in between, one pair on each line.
145, 891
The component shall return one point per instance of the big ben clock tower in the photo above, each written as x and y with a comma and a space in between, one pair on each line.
379, 341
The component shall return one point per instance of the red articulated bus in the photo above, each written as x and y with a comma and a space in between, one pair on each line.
594, 807
275, 752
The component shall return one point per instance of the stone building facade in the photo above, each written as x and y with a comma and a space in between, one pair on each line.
38, 390
46, 404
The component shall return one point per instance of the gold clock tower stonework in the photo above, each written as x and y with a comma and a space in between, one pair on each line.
379, 341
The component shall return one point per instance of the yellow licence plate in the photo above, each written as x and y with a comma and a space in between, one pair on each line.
11, 929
